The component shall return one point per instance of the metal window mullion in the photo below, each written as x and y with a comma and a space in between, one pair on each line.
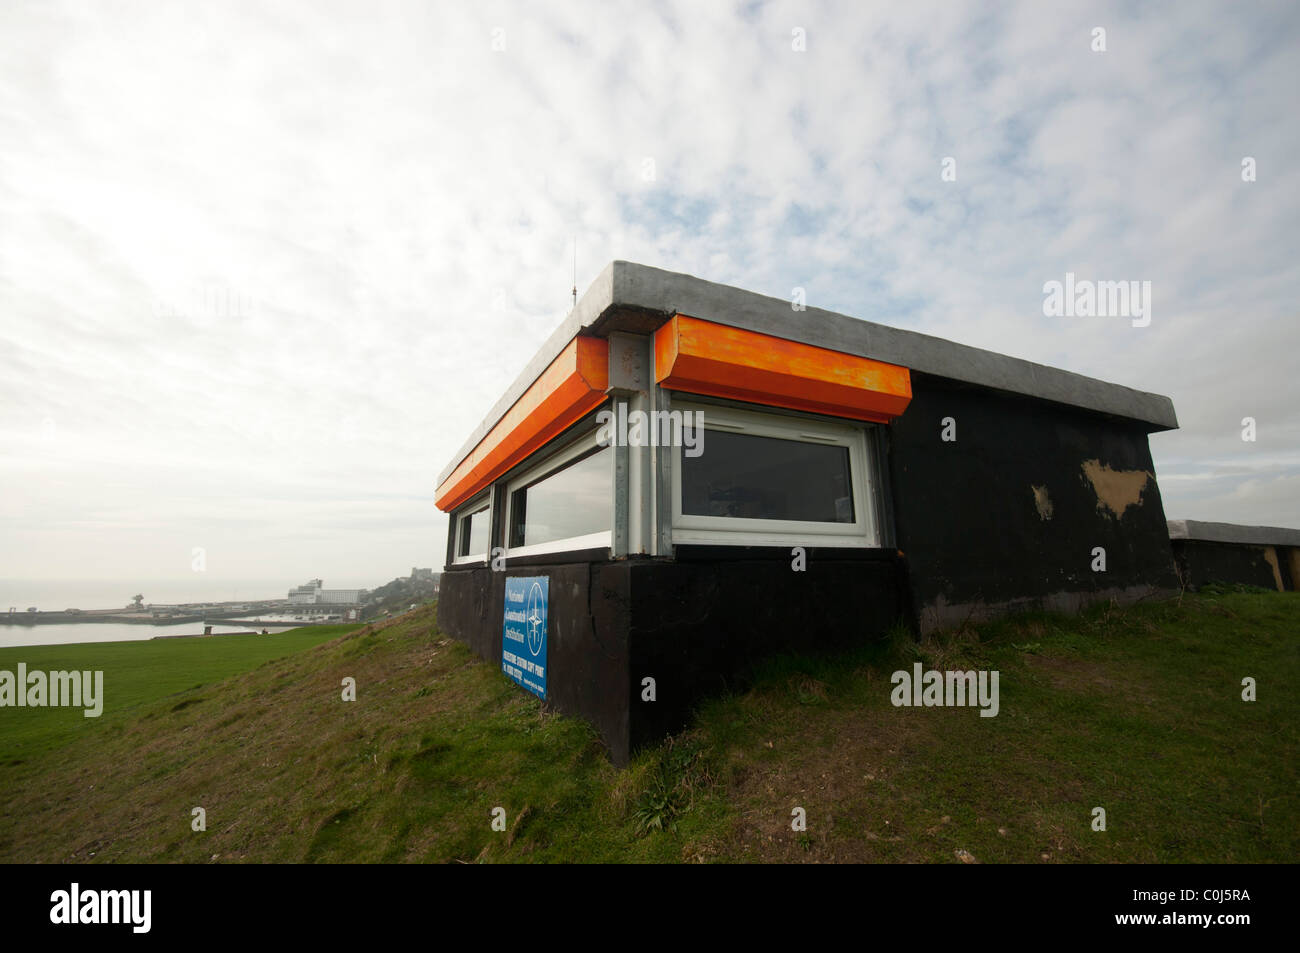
453, 530
497, 522
661, 462
621, 464
881, 486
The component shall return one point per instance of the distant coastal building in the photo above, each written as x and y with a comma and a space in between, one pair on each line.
340, 597
305, 594
421, 574
313, 593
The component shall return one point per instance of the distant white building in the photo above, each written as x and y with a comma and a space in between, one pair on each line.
305, 595
336, 597
313, 593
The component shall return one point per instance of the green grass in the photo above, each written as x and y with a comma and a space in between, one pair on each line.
136, 674
1138, 711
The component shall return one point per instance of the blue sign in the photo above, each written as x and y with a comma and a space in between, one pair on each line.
523, 637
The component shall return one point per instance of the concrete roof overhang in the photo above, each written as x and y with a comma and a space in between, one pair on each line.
1233, 533
638, 298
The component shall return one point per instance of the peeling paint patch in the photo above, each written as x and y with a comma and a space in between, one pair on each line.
1042, 502
1116, 490
1270, 557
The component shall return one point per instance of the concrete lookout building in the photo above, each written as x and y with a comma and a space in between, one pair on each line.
1263, 556
689, 476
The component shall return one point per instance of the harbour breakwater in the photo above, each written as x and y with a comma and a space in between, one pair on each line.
123, 617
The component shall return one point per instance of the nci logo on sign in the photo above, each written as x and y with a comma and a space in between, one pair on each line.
523, 642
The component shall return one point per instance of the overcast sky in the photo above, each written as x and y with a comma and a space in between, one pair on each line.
263, 266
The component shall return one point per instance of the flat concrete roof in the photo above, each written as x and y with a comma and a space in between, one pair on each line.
1233, 533
632, 297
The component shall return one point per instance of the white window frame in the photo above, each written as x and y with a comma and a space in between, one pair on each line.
602, 539
864, 532
479, 504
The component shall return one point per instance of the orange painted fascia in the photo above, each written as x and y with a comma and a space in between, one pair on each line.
702, 357
572, 385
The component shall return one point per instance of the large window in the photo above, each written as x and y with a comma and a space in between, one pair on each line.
565, 503
772, 479
473, 526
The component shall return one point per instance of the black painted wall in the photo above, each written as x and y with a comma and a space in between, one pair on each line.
1202, 562
587, 628
696, 626
967, 521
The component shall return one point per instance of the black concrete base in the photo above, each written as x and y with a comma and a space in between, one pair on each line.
696, 627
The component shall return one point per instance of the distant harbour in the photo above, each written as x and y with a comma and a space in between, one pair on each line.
247, 613
12, 636
100, 611
105, 595
71, 611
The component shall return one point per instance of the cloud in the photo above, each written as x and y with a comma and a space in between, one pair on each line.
262, 269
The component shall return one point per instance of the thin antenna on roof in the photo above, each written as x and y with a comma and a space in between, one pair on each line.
575, 271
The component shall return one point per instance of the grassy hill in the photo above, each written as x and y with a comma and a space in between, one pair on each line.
397, 596
135, 674
1137, 710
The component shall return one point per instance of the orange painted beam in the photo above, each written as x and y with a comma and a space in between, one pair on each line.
701, 357
571, 386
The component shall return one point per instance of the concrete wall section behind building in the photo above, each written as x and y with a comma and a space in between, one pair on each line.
1007, 515
1205, 561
